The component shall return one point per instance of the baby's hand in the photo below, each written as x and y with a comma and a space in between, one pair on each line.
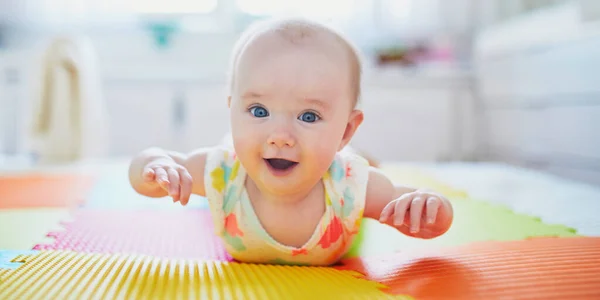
425, 214
173, 178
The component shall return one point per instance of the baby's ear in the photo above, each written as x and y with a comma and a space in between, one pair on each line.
354, 121
229, 101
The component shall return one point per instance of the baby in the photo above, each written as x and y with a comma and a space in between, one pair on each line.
287, 192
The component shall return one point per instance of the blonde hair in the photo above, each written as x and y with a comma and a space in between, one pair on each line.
296, 30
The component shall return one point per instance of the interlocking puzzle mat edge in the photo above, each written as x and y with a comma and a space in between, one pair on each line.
24, 228
185, 234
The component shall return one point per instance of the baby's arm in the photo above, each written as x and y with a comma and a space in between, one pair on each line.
158, 173
416, 213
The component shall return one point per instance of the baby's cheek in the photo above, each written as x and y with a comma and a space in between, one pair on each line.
330, 142
244, 145
323, 152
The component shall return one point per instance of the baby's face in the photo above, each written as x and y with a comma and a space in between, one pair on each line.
290, 108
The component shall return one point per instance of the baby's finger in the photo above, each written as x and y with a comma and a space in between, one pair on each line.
400, 210
148, 175
387, 211
416, 212
432, 207
174, 186
161, 177
186, 186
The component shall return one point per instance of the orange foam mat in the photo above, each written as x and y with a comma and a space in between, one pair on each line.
539, 268
73, 275
43, 190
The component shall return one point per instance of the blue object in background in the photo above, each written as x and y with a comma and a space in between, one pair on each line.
162, 33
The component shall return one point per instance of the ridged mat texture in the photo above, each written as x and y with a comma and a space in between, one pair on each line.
71, 275
537, 268
541, 268
44, 190
186, 234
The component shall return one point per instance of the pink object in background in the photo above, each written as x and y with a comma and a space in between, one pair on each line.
440, 54
181, 234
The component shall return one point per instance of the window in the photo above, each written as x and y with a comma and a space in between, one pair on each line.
307, 8
398, 9
72, 7
394, 15
172, 6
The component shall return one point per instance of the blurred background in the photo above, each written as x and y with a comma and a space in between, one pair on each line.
471, 82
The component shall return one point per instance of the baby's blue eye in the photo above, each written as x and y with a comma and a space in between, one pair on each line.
309, 117
259, 112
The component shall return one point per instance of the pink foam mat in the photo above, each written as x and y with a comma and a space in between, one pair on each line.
182, 234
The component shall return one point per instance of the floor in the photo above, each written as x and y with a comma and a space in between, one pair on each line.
553, 199
128, 231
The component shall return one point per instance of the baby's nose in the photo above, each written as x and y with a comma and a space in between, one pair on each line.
282, 139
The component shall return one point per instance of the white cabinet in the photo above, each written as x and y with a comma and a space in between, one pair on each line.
422, 116
176, 116
405, 124
15, 110
139, 117
207, 115
404, 121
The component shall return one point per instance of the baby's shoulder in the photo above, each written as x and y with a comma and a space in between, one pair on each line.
350, 160
221, 171
220, 160
349, 167
220, 155
351, 157
346, 182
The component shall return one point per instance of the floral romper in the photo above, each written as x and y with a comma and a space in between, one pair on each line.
246, 240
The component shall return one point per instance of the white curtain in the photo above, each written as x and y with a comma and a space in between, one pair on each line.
70, 121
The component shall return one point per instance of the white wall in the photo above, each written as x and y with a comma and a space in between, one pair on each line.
15, 95
538, 82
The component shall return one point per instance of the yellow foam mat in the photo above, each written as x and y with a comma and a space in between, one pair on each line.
21, 229
71, 275
4, 272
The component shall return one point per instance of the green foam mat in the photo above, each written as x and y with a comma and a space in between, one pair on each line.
474, 221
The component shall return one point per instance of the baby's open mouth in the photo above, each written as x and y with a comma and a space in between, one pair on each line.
280, 164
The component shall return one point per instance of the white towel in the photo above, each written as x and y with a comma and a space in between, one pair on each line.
70, 121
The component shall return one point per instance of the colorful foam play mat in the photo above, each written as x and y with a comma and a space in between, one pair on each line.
83, 237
